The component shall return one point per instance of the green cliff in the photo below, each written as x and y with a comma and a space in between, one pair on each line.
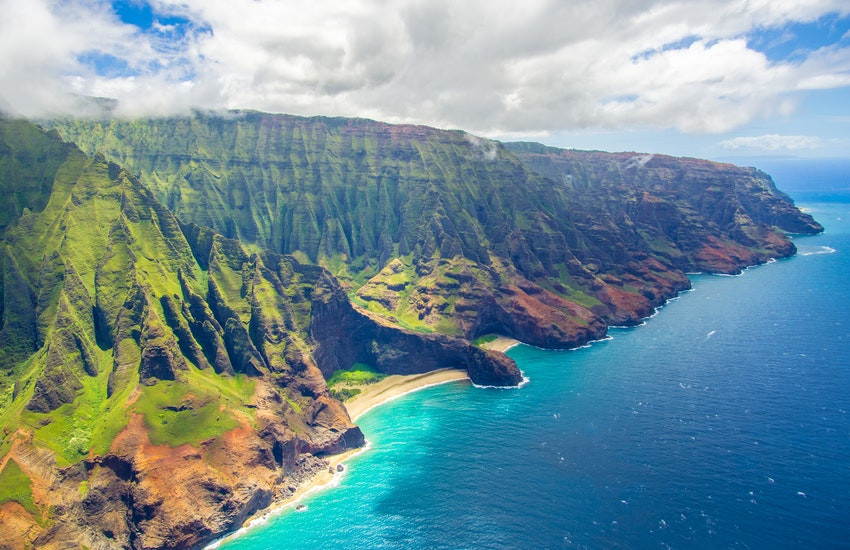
442, 231
139, 353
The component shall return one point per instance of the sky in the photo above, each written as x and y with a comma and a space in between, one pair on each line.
706, 78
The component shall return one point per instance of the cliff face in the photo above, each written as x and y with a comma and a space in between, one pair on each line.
158, 382
442, 231
694, 214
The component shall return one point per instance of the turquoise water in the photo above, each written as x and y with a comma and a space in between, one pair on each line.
724, 421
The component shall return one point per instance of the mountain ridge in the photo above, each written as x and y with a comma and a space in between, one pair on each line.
457, 215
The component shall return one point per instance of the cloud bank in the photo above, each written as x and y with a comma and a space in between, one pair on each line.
491, 66
773, 143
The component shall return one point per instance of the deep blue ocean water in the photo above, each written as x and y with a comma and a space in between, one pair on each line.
723, 422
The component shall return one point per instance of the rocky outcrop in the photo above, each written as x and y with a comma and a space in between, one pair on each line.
142, 495
691, 214
345, 335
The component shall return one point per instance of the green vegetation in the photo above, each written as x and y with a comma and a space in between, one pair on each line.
204, 406
342, 381
176, 414
423, 226
106, 295
485, 339
16, 486
344, 394
102, 291
111, 307
91, 422
358, 374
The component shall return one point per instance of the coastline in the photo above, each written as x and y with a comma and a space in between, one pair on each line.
321, 481
370, 397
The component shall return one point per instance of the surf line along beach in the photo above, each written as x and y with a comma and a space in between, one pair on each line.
371, 396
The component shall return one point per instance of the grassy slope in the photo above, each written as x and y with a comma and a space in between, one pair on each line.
93, 239
112, 307
343, 382
16, 486
353, 195
348, 193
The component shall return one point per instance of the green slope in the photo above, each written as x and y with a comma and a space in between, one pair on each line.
442, 231
91, 267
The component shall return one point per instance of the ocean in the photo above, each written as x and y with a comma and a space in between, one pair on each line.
722, 422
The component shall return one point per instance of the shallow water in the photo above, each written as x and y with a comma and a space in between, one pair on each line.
721, 422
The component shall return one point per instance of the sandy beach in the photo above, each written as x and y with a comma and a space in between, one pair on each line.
501, 343
370, 396
326, 478
396, 385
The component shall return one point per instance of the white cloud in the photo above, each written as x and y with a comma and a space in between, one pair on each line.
773, 143
491, 66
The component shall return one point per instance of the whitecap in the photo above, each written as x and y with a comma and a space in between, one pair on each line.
815, 250
590, 343
525, 380
625, 327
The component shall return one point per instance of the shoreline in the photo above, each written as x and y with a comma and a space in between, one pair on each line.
396, 385
321, 481
393, 387
371, 396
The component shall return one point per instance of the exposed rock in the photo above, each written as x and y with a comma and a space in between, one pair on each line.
346, 336
55, 387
